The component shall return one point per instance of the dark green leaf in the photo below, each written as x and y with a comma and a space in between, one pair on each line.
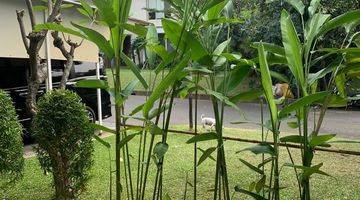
92, 83
206, 154
139, 30
293, 139
260, 149
155, 112
320, 139
127, 139
168, 81
60, 28
134, 68
106, 12
346, 18
39, 8
255, 196
155, 130
247, 96
273, 48
293, 124
98, 39
103, 142
267, 86
252, 167
102, 128
260, 184
300, 103
236, 76
160, 149
203, 137
292, 48
203, 151
298, 5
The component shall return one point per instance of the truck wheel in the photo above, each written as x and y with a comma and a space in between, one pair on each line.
91, 114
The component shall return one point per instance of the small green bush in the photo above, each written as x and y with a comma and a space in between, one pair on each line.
11, 146
62, 129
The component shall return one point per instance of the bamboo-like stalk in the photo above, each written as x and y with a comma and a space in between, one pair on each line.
196, 130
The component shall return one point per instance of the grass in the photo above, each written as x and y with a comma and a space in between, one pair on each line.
127, 76
344, 182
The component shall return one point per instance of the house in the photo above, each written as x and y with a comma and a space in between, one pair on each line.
11, 43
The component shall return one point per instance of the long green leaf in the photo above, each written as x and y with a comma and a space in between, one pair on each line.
260, 149
60, 28
319, 140
92, 83
215, 11
209, 4
167, 82
298, 5
314, 4
102, 128
134, 68
342, 20
127, 139
98, 39
160, 149
293, 139
300, 103
292, 48
254, 195
203, 137
106, 12
273, 48
139, 30
252, 167
151, 39
312, 29
103, 142
184, 39
206, 154
267, 85
247, 96
235, 77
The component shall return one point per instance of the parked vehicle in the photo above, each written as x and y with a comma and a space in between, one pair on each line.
13, 80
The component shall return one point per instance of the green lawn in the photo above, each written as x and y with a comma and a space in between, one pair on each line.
345, 183
127, 76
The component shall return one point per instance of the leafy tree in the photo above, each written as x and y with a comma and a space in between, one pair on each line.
62, 129
262, 22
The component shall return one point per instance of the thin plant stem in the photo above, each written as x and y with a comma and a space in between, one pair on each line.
195, 144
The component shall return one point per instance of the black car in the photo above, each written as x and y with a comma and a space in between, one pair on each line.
13, 81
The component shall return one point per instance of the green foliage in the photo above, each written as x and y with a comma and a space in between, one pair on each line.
64, 135
11, 146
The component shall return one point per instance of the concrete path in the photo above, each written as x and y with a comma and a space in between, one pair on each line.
346, 124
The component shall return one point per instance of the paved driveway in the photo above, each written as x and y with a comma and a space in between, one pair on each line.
346, 124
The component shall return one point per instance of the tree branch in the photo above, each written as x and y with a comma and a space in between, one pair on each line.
55, 11
31, 13
20, 15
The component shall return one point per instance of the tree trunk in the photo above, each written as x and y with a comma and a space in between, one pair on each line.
33, 42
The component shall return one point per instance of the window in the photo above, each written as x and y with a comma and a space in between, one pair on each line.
156, 9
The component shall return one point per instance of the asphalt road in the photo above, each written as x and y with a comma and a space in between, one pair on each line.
346, 124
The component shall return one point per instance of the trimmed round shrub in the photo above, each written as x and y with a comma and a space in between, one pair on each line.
62, 130
11, 146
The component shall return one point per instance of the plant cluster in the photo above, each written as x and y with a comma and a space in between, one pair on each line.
11, 147
64, 135
201, 54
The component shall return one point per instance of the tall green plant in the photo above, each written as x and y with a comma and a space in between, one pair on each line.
300, 54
